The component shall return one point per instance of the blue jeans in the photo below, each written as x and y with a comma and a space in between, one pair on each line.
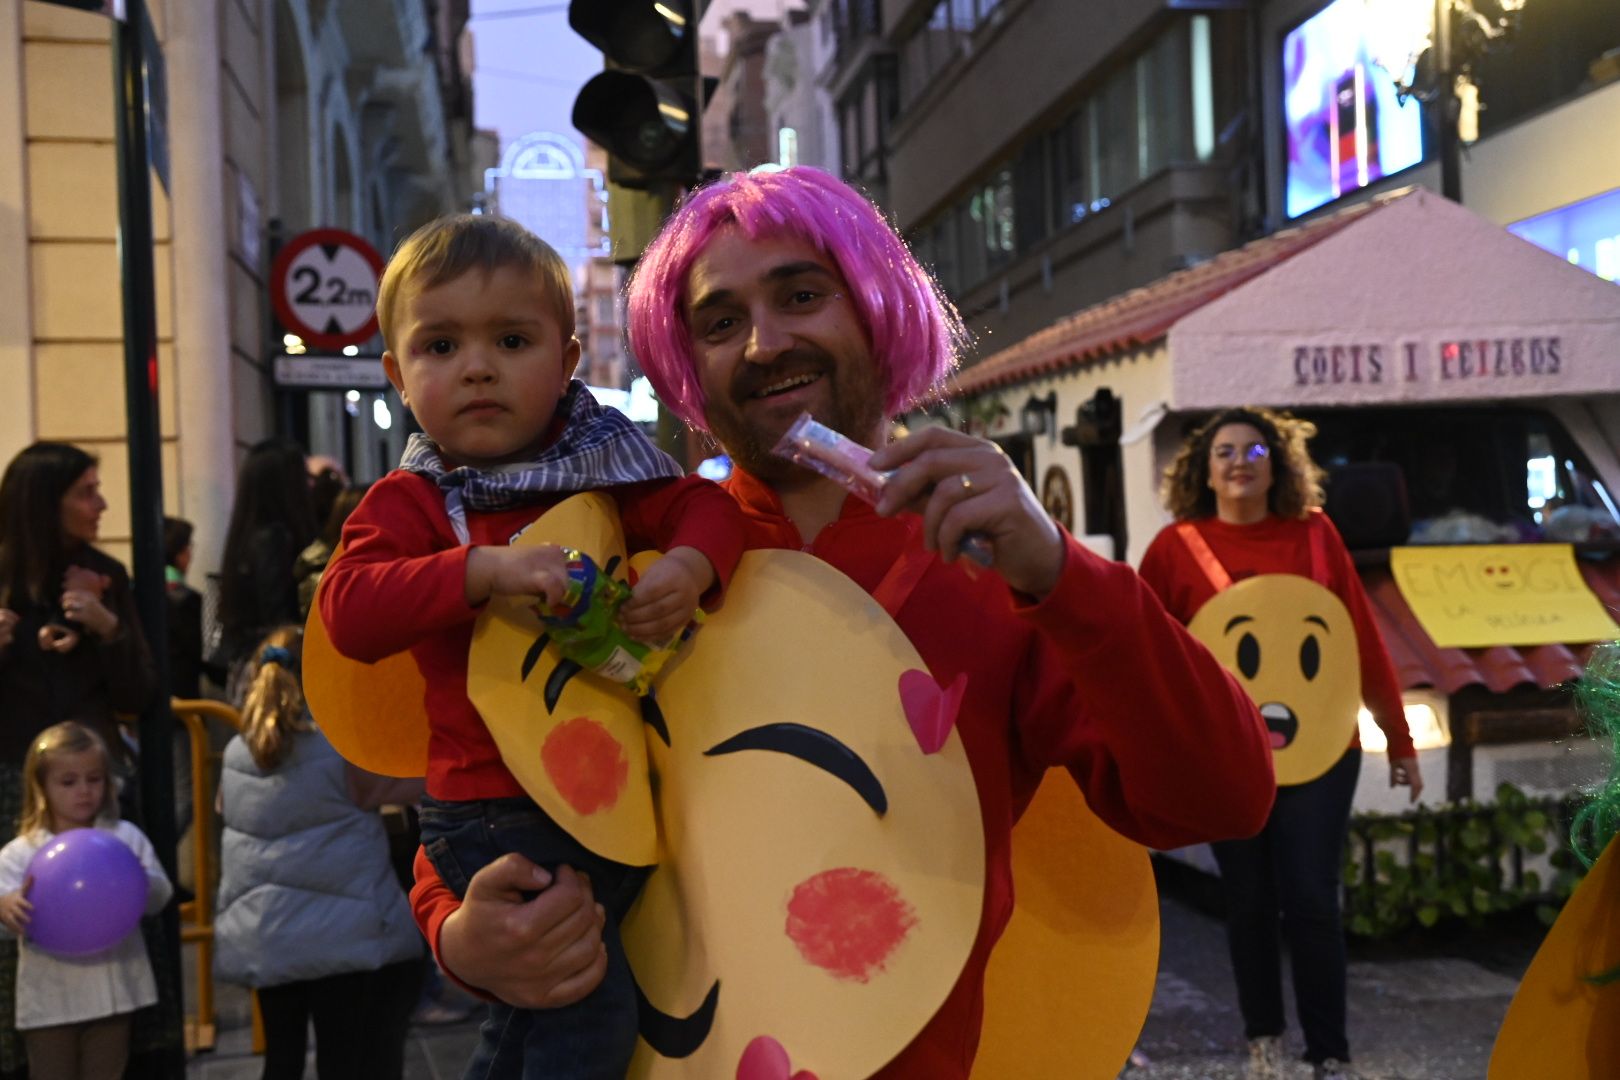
592, 1039
1284, 885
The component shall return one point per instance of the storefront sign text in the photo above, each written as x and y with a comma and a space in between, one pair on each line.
1372, 363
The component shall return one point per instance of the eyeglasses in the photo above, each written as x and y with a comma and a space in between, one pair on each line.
1254, 452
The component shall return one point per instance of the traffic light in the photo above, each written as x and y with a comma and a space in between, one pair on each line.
645, 109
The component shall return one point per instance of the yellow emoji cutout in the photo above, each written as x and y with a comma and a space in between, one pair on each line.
821, 873
372, 714
573, 739
1072, 977
1565, 1018
1292, 645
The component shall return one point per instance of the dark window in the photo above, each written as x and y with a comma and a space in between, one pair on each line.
1550, 59
1476, 475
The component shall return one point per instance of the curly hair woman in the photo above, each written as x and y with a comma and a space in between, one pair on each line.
1246, 499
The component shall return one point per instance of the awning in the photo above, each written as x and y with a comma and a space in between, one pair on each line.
1143, 316
1406, 298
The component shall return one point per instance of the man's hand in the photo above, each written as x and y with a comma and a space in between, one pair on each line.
1405, 771
960, 484
666, 595
8, 626
538, 953
15, 910
516, 571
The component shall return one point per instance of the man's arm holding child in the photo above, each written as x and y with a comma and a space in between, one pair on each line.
532, 949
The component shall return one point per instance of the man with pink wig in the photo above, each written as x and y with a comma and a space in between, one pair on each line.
770, 293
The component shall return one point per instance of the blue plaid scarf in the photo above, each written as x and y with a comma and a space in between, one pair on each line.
598, 448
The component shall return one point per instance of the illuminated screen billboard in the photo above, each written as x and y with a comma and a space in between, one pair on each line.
1346, 129
1586, 233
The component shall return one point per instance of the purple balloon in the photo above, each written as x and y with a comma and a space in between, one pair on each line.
89, 892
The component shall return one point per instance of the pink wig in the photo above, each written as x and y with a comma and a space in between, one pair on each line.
914, 331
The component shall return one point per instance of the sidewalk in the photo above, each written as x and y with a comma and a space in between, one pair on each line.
432, 1052
1430, 1013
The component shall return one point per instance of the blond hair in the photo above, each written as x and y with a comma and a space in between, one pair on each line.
1296, 480
447, 247
274, 710
68, 737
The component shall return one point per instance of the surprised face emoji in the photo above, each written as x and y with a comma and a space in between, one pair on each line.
1291, 643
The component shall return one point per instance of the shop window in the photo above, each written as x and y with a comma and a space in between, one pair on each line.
1501, 475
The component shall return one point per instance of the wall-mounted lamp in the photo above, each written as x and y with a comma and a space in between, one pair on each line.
1038, 416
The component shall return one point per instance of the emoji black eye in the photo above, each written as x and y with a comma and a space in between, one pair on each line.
1310, 657
1248, 656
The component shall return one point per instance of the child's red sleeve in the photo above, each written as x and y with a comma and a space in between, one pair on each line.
688, 512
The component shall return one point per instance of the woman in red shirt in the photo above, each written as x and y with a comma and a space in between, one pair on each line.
1246, 495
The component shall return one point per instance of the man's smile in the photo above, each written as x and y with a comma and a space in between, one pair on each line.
782, 386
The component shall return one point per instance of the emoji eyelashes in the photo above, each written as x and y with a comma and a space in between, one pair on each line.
1292, 645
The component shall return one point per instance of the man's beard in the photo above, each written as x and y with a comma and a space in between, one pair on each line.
852, 406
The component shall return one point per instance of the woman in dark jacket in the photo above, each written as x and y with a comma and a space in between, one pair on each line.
71, 646
272, 520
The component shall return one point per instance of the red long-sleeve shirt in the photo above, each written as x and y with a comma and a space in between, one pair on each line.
400, 584
1283, 546
1095, 678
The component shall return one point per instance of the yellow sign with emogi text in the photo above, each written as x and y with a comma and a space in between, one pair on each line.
1476, 596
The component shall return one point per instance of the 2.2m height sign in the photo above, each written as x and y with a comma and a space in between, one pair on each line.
324, 287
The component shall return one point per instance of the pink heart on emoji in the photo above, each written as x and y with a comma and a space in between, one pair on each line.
930, 710
765, 1059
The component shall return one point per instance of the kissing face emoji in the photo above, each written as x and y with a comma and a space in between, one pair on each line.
1292, 645
820, 876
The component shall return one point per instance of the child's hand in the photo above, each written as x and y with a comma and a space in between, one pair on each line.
666, 595
516, 571
15, 910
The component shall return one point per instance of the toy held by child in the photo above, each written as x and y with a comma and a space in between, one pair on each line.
584, 625
75, 1009
478, 318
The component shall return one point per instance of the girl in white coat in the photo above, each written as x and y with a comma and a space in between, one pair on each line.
74, 1012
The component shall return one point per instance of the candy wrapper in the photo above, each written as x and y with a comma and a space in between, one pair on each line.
815, 446
584, 625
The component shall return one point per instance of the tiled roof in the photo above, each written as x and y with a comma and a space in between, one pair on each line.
1143, 316
1420, 662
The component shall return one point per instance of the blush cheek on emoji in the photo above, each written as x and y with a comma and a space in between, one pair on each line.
848, 921
587, 763
1291, 643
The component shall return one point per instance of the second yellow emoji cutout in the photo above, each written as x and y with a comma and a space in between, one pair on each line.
1292, 645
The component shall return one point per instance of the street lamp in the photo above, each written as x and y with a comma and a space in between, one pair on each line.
1038, 415
1430, 52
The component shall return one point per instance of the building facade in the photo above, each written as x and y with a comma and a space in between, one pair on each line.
798, 106
283, 115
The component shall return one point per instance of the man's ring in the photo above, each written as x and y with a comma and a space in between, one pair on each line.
967, 482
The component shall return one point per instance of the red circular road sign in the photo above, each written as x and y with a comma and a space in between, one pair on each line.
323, 286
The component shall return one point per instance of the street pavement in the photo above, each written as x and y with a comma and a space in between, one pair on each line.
1426, 1009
